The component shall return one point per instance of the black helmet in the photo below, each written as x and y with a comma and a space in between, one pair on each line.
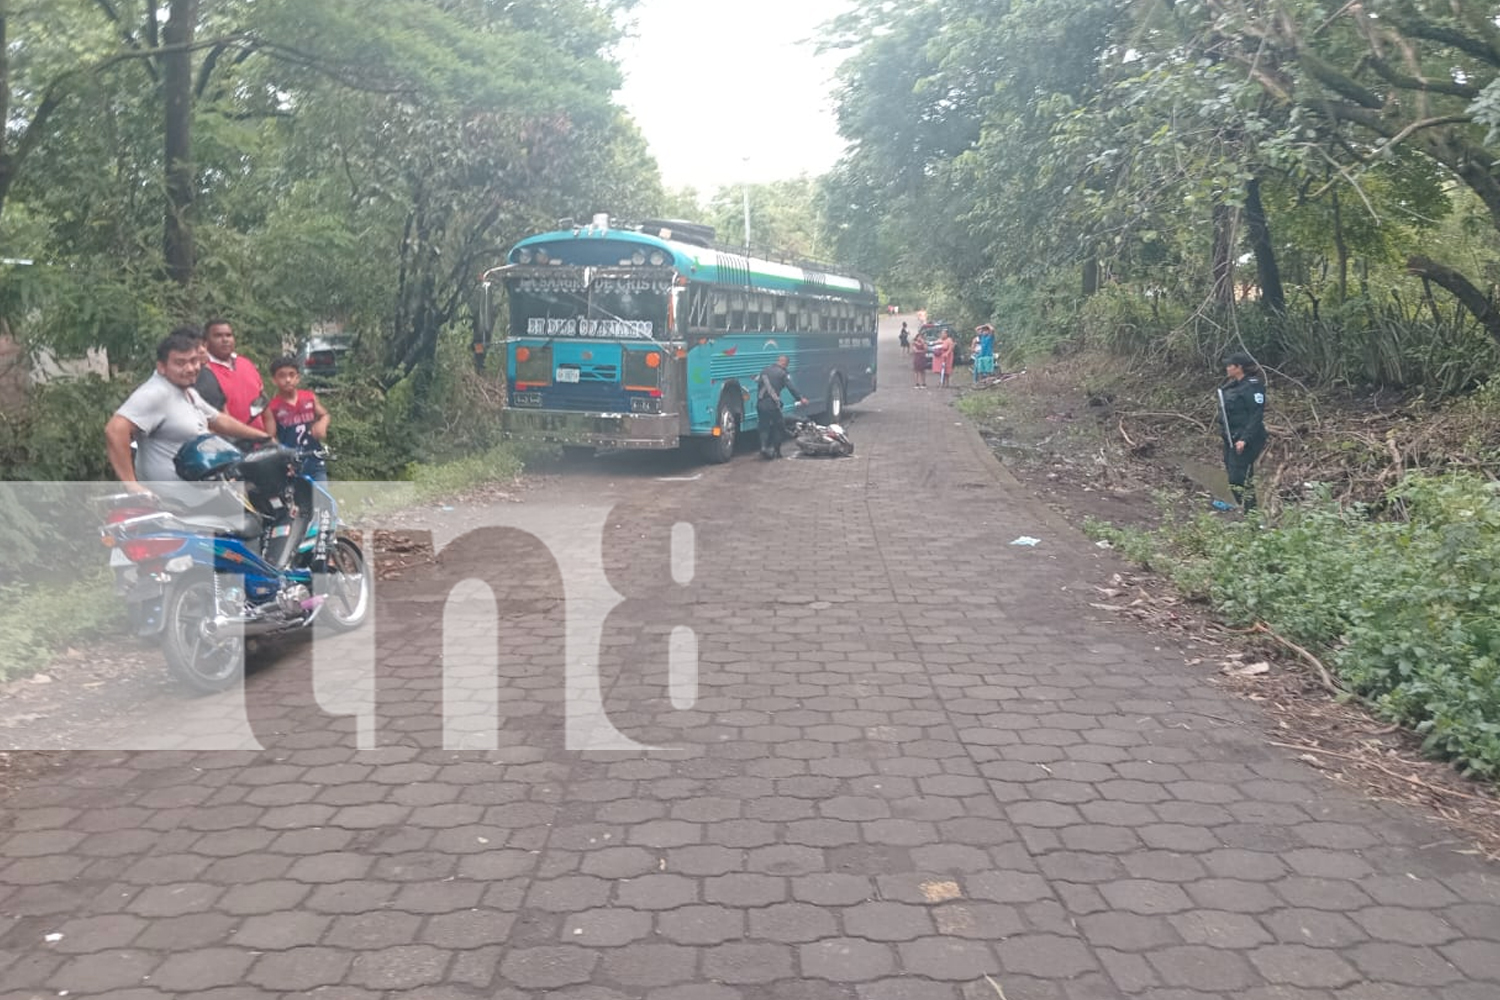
203, 457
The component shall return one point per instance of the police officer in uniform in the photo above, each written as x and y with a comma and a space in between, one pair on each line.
1242, 405
773, 378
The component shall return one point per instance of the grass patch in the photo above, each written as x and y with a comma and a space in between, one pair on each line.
426, 482
39, 621
981, 406
1402, 602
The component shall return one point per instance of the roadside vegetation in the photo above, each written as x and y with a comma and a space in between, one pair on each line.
1402, 608
1372, 562
1129, 192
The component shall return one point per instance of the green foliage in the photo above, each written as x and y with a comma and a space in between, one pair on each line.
1058, 139
498, 464
59, 434
1425, 644
347, 168
1407, 609
37, 622
785, 216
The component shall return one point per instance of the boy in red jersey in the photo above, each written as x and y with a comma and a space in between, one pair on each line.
297, 418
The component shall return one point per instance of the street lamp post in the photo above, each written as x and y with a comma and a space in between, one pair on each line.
745, 188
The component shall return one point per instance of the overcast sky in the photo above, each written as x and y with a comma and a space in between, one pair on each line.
711, 83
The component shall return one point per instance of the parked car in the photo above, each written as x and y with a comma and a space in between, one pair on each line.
322, 356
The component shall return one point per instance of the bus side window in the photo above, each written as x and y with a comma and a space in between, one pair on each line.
737, 312
721, 312
779, 321
700, 309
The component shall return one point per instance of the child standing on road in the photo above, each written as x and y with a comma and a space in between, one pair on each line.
297, 417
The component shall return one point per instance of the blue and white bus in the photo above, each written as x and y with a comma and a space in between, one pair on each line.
647, 336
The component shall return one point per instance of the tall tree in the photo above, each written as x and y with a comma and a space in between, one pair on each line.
177, 132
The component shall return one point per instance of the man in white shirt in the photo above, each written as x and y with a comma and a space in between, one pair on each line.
163, 414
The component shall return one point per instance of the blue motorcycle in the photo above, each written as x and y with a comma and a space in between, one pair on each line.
267, 554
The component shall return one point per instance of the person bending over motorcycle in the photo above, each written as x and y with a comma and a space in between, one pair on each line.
162, 414
771, 381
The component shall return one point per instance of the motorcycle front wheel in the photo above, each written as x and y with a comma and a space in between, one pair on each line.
201, 657
345, 588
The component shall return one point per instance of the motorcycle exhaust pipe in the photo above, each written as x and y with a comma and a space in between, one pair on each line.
276, 621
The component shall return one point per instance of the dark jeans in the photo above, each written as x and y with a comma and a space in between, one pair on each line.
772, 428
1241, 469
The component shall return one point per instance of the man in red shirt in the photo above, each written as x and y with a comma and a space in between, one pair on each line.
236, 375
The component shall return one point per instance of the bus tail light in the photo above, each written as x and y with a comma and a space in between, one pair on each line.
533, 366
641, 371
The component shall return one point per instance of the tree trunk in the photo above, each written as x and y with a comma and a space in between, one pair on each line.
1272, 296
5, 162
1462, 288
1221, 264
1090, 276
1341, 247
177, 102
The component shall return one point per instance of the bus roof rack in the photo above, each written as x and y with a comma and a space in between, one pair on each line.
681, 230
703, 235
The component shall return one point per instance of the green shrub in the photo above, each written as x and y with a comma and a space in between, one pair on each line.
59, 433
1425, 643
1406, 611
37, 622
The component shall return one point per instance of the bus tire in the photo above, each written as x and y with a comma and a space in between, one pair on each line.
720, 448
836, 399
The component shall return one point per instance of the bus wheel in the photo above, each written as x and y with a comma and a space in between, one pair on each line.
720, 449
835, 411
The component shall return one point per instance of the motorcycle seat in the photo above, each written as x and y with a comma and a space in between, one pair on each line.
245, 525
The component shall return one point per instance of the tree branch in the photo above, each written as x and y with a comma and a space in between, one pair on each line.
206, 70
127, 37
1388, 73
1339, 83
1464, 290
1486, 50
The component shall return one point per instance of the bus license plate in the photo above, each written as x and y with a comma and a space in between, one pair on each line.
567, 375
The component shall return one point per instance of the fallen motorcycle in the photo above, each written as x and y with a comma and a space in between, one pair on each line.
819, 440
266, 554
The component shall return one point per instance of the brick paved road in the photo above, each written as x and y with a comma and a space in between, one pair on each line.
917, 759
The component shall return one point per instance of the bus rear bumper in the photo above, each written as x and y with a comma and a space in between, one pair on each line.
599, 430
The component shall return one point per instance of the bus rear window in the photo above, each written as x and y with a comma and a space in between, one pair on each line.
611, 308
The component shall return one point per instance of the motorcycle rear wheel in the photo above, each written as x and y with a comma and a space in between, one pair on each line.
345, 588
196, 656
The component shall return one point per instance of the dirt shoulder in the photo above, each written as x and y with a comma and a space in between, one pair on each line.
1091, 447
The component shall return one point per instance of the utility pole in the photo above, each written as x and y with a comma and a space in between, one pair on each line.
745, 187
